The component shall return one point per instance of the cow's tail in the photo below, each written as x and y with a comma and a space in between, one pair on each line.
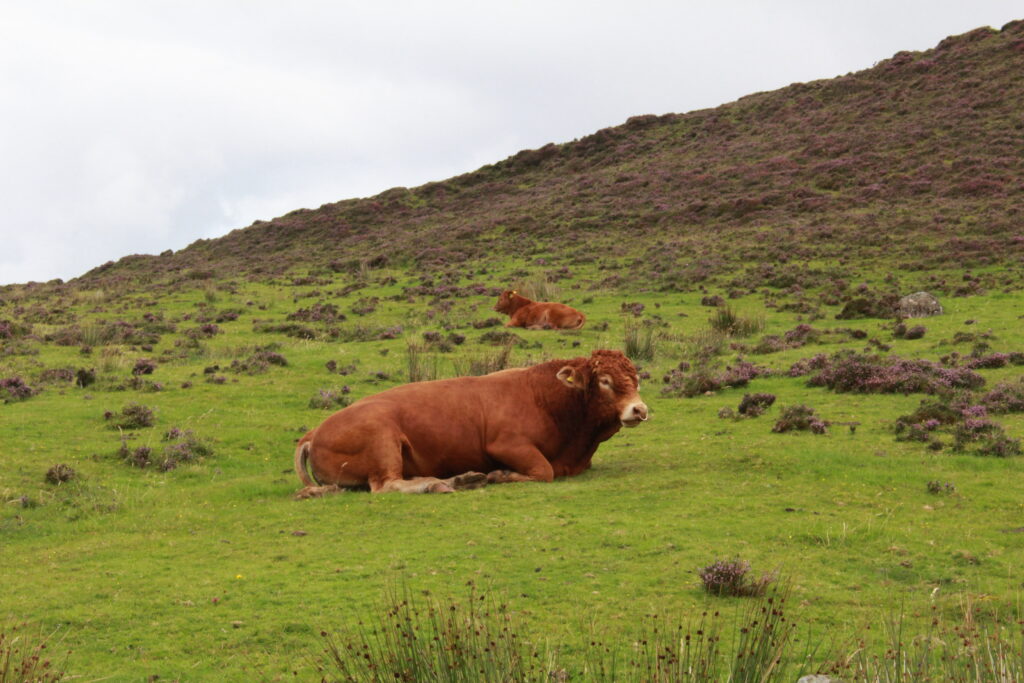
583, 320
301, 461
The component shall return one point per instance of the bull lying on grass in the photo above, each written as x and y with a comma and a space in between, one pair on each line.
538, 315
523, 424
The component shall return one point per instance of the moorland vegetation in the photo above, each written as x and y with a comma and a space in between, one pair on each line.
750, 260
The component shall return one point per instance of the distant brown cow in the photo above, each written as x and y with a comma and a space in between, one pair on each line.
538, 315
522, 424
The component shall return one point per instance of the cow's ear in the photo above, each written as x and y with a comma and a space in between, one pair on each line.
571, 377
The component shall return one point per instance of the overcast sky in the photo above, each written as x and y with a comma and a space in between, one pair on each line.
135, 126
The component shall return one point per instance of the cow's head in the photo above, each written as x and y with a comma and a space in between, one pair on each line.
610, 382
509, 302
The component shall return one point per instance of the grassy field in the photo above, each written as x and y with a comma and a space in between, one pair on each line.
210, 571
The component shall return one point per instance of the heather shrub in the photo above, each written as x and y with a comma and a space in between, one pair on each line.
318, 312
901, 331
799, 418
57, 375
502, 338
684, 381
259, 362
204, 331
132, 416
635, 308
489, 322
14, 389
183, 446
288, 329
365, 305
988, 362
59, 474
753, 405
941, 487
730, 578
1005, 397
143, 366
850, 372
869, 305
84, 377
986, 437
328, 399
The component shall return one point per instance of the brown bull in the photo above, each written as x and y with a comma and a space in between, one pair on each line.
538, 315
523, 424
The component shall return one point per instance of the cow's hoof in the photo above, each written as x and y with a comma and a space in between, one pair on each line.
469, 480
498, 476
440, 487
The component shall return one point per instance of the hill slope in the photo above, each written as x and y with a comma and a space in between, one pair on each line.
915, 159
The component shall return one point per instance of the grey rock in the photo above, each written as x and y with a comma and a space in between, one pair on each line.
919, 305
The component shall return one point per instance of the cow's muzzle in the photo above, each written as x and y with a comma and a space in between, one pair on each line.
634, 414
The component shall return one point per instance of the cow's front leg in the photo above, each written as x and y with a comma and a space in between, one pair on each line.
524, 463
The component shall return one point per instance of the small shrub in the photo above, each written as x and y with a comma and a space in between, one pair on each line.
59, 474
133, 416
140, 457
634, 308
183, 446
940, 487
753, 405
14, 389
57, 375
502, 338
729, 577
143, 366
875, 374
686, 382
799, 418
328, 399
84, 377
1005, 397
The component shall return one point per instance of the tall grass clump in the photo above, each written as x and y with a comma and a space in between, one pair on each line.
978, 647
485, 362
424, 639
731, 323
640, 342
25, 658
539, 289
423, 366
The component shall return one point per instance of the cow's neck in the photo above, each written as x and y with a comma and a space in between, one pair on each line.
516, 302
581, 431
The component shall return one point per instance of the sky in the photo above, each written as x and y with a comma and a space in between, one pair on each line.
133, 127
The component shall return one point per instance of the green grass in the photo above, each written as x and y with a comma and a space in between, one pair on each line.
199, 573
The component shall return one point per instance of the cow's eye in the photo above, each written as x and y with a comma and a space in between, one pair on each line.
606, 382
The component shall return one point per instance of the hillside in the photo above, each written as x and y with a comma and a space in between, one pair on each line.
915, 162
